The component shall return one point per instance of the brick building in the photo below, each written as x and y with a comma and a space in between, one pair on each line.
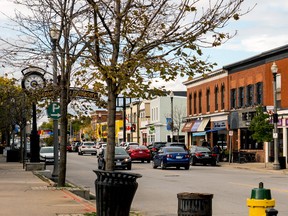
225, 100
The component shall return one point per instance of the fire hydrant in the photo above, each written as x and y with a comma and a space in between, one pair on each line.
260, 201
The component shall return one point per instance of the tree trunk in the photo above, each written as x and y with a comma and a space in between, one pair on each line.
111, 127
63, 131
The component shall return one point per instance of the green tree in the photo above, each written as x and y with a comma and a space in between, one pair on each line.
261, 126
136, 43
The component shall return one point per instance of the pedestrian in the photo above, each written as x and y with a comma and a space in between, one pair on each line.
217, 151
205, 143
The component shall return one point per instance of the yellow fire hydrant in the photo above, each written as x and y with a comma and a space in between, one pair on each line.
260, 201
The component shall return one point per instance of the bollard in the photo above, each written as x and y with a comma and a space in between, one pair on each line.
271, 212
194, 204
260, 201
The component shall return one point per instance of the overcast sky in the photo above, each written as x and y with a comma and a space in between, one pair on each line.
264, 28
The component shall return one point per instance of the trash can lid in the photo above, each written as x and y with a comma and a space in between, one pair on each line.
261, 193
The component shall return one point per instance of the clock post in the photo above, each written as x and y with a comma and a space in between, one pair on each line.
33, 80
34, 138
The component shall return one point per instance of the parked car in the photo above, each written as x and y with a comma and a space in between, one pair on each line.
171, 156
183, 145
127, 144
155, 146
75, 146
87, 147
100, 149
47, 154
122, 159
99, 144
203, 155
69, 147
141, 153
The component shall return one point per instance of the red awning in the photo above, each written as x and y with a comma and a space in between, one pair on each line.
188, 126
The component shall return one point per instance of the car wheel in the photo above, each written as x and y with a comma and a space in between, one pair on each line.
177, 167
129, 167
193, 161
163, 166
153, 165
142, 161
148, 161
187, 167
214, 163
79, 153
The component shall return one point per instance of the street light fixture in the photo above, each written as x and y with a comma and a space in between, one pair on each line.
54, 35
172, 113
276, 164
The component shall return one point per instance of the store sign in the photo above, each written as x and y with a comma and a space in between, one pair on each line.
219, 124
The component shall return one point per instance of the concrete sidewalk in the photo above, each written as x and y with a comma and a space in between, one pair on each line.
23, 193
261, 167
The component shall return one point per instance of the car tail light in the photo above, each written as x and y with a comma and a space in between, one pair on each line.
147, 151
83, 146
214, 155
187, 156
154, 149
199, 154
169, 156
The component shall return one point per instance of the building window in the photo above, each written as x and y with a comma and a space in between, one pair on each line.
249, 95
233, 98
222, 97
190, 104
208, 100
200, 102
216, 97
241, 97
195, 103
259, 93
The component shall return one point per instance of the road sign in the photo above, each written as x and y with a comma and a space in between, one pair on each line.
53, 110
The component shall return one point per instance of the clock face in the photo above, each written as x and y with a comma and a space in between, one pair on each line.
33, 81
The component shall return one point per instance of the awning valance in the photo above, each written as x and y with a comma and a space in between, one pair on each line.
199, 134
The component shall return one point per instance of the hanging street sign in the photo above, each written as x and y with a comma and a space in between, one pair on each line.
53, 110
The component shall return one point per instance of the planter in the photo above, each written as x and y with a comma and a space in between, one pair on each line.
115, 192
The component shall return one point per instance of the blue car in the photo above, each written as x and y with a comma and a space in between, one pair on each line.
171, 157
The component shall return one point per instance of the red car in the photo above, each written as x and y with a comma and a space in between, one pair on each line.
141, 153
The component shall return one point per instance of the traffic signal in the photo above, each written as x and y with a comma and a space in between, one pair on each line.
133, 128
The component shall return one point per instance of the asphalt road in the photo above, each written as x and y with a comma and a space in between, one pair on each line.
158, 189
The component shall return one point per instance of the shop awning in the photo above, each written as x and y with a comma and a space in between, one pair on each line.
203, 124
215, 129
195, 125
188, 126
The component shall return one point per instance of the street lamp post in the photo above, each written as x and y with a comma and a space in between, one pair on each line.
131, 119
172, 113
276, 164
54, 35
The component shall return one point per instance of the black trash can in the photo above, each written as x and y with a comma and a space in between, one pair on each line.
194, 204
13, 155
282, 162
115, 192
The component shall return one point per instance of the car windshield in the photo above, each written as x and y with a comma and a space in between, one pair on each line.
120, 151
46, 150
174, 149
202, 149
